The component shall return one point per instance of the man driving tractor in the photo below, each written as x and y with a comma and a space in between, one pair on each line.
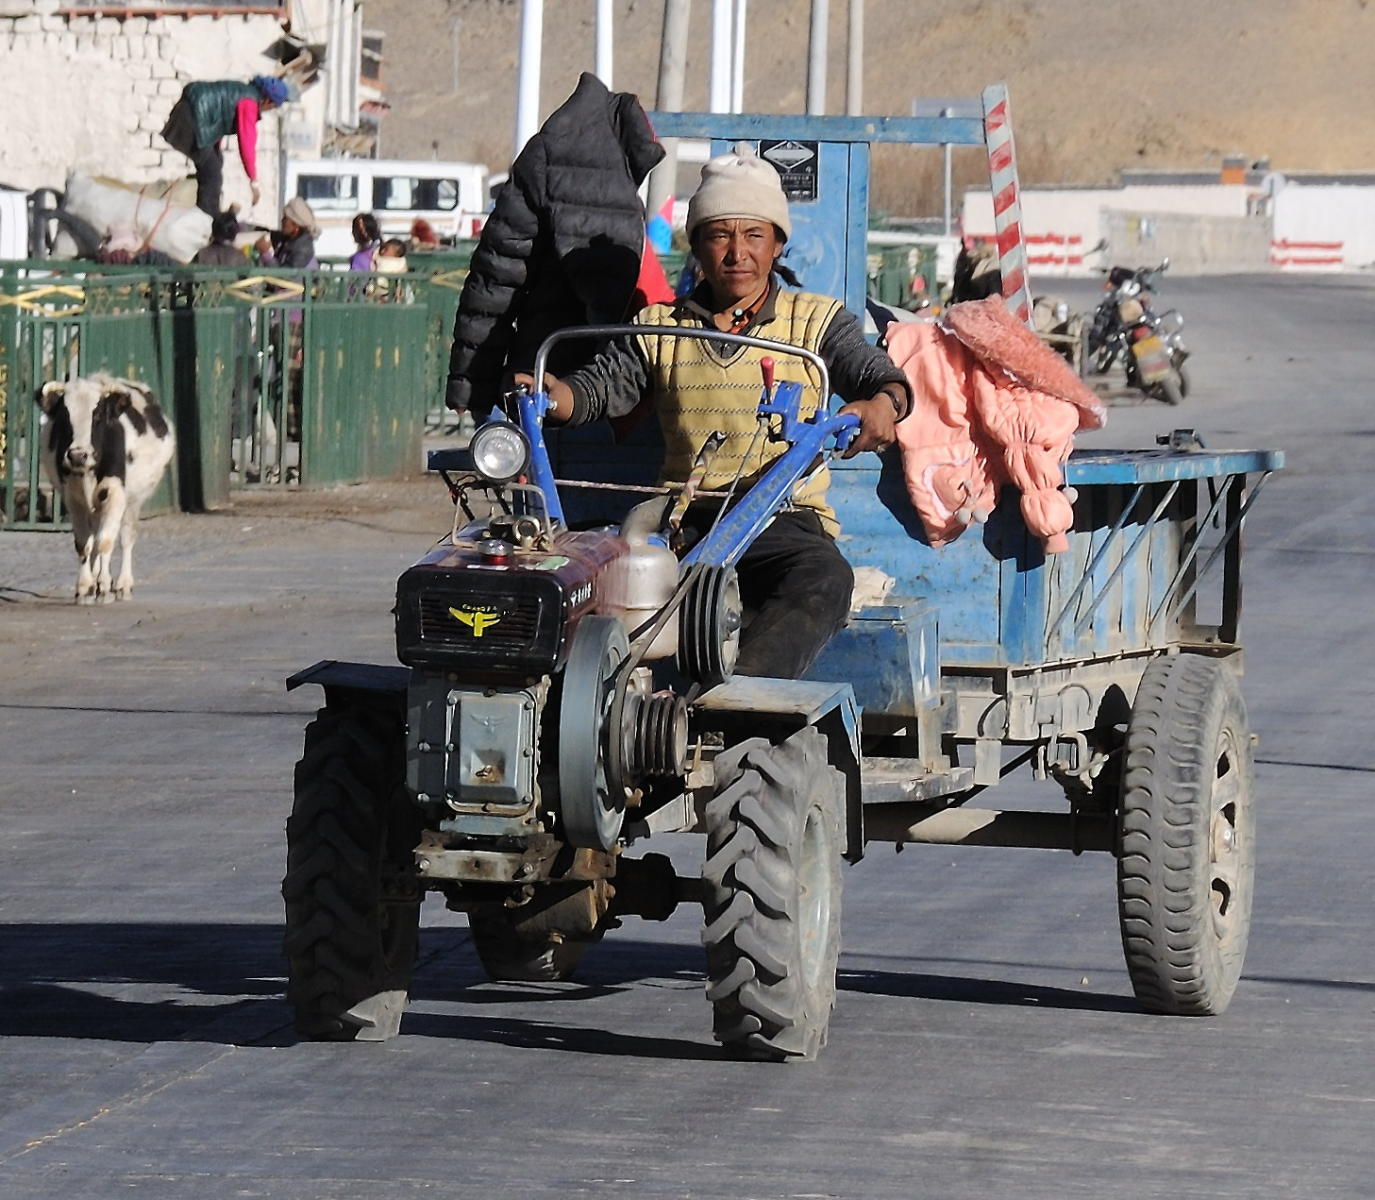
795, 585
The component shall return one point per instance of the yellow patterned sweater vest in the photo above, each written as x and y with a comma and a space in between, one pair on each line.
697, 387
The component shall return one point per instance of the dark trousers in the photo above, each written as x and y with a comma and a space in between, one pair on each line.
795, 588
209, 164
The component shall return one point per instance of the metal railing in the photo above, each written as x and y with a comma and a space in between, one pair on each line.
272, 377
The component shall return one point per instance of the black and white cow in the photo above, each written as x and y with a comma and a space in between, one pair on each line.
105, 447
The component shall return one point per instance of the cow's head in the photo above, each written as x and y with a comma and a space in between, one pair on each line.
76, 411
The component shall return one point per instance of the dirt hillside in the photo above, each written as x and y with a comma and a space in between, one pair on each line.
1096, 85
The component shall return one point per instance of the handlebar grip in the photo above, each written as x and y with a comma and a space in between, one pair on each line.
845, 428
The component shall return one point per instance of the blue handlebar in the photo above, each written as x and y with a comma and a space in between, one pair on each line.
736, 530
531, 407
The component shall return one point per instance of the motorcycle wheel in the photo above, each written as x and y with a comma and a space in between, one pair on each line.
1167, 391
1183, 376
1104, 358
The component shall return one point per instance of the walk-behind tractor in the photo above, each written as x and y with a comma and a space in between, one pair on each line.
568, 693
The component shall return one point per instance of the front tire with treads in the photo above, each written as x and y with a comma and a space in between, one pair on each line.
1186, 827
351, 892
771, 896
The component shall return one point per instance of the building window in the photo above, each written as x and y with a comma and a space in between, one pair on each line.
370, 67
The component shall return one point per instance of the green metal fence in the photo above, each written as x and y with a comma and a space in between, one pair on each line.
272, 378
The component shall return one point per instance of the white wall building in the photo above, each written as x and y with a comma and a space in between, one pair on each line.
87, 86
1241, 221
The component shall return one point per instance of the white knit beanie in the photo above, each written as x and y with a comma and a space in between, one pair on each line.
739, 184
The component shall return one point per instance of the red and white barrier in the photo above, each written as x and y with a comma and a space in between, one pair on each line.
1007, 204
1289, 255
1056, 251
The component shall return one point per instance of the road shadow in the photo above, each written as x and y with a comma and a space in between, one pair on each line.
66, 980
543, 1035
968, 990
156, 982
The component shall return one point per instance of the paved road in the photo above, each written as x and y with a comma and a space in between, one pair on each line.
985, 1043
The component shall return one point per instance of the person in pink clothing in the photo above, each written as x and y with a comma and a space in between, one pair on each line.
210, 110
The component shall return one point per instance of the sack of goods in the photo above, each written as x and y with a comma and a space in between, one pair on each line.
164, 217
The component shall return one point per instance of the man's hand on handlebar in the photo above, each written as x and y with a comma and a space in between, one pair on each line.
560, 394
878, 420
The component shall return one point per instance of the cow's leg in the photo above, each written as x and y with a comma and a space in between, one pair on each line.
83, 531
124, 585
111, 501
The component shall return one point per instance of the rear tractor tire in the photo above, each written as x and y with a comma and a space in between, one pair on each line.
1186, 827
771, 897
351, 891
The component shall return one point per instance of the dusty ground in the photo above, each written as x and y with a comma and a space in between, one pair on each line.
1095, 86
985, 1046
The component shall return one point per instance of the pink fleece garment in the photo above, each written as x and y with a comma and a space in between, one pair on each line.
992, 405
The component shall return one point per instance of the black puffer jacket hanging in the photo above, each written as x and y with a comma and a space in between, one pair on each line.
562, 246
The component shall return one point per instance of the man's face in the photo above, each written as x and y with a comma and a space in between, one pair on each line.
289, 227
736, 255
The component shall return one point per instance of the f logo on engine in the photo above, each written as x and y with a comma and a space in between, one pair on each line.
478, 620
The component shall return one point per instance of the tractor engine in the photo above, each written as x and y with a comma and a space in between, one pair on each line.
531, 724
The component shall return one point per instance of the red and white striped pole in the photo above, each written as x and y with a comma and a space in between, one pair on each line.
1007, 200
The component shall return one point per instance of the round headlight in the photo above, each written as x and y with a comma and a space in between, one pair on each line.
500, 451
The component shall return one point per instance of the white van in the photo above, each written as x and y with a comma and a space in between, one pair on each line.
451, 196
14, 223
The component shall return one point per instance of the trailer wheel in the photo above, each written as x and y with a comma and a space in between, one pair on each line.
1186, 827
509, 958
351, 892
771, 896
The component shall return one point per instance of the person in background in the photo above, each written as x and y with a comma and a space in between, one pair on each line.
391, 257
222, 252
207, 111
367, 236
391, 260
294, 244
124, 246
423, 236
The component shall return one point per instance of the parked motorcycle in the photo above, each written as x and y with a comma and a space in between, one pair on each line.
1149, 344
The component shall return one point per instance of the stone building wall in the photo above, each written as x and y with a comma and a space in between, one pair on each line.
91, 94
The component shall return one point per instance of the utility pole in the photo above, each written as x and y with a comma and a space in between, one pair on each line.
604, 52
720, 55
816, 59
672, 70
854, 79
737, 85
528, 70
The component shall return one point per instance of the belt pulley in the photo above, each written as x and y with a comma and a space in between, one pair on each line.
591, 794
709, 626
